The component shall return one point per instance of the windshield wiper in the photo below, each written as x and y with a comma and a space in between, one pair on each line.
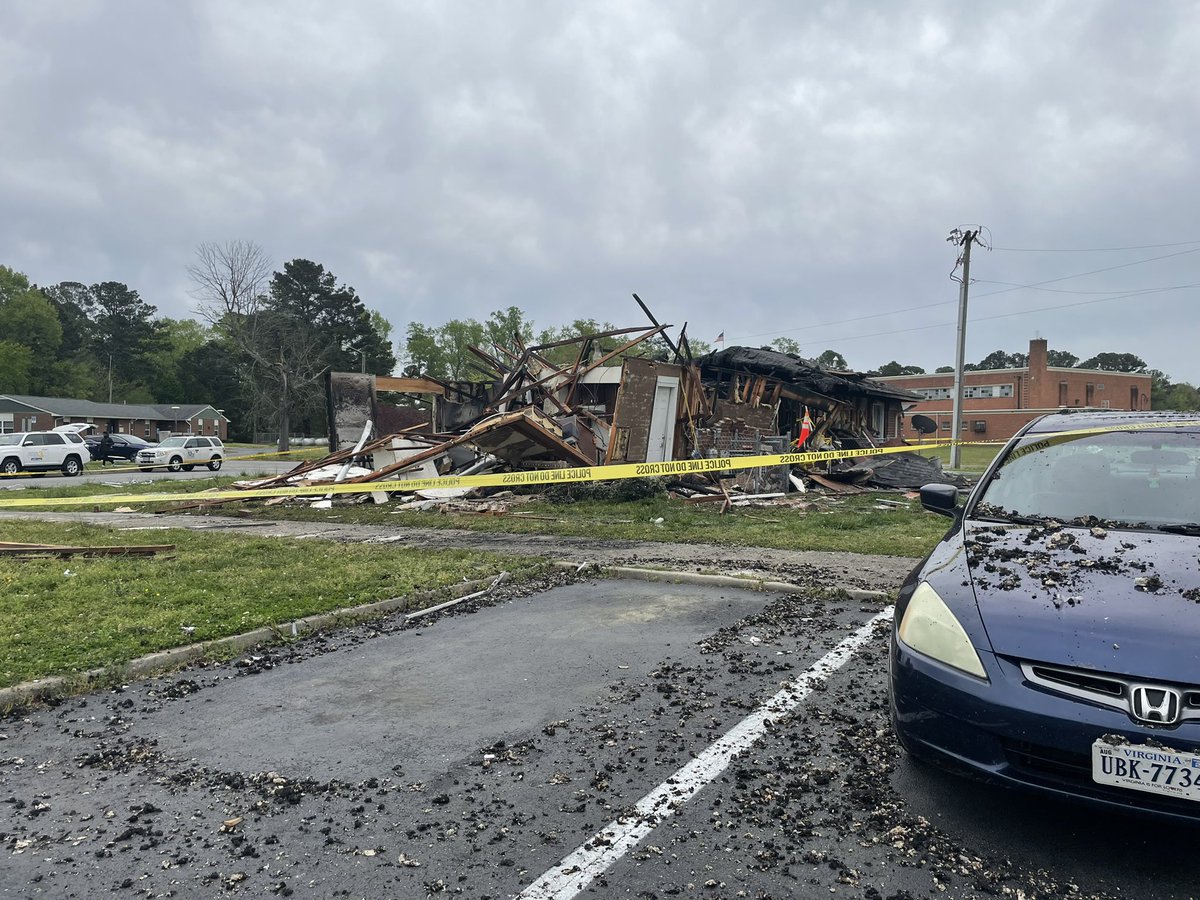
1181, 528
1009, 518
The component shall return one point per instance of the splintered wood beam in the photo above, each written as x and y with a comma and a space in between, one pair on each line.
629, 345
759, 387
409, 385
517, 373
497, 367
585, 337
654, 322
583, 351
512, 394
684, 345
513, 357
28, 551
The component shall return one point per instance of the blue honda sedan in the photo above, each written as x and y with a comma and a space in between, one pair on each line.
1051, 640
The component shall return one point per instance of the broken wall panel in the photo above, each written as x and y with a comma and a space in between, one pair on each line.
743, 415
450, 416
350, 405
647, 406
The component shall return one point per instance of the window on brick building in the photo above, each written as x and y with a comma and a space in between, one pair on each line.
1062, 393
976, 391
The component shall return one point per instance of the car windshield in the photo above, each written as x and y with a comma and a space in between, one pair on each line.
8, 440
173, 442
1148, 477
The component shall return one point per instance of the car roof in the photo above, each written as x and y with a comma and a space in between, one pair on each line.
1070, 420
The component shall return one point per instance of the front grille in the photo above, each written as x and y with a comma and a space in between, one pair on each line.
1048, 760
1107, 689
1082, 681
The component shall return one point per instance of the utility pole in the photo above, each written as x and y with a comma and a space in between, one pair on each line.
110, 378
964, 239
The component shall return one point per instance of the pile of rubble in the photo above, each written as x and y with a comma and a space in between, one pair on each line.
629, 395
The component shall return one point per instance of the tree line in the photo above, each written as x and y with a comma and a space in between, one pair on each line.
263, 340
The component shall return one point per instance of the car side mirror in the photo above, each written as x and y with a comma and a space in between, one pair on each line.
940, 498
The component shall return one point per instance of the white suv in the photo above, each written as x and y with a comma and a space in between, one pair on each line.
183, 452
42, 451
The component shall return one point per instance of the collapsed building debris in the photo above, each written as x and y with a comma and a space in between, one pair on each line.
628, 395
897, 470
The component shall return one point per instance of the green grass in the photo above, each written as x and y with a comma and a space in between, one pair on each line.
91, 489
974, 457
65, 616
852, 524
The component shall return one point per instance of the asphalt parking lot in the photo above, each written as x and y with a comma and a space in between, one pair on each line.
509, 750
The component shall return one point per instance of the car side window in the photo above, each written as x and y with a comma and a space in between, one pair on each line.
53, 437
192, 443
33, 440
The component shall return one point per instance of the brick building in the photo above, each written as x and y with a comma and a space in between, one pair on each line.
19, 412
997, 402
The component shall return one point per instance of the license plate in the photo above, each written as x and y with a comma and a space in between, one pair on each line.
1141, 767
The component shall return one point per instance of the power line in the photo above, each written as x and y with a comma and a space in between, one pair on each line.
1023, 312
1066, 291
1093, 249
1136, 262
890, 312
1007, 290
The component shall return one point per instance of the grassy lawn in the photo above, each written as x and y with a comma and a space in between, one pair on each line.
92, 489
63, 616
974, 457
853, 524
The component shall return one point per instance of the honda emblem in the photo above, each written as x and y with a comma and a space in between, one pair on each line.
1155, 705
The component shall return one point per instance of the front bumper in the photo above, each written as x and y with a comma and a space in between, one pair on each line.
1009, 732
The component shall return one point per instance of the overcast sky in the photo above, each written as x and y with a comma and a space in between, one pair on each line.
759, 169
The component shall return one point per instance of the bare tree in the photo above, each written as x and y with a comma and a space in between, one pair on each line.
231, 282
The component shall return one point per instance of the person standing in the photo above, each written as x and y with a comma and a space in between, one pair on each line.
106, 445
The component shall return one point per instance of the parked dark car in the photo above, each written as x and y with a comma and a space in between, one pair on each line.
124, 446
1051, 640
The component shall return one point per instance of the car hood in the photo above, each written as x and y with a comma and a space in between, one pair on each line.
1117, 601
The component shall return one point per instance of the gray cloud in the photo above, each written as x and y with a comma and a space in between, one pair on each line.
758, 169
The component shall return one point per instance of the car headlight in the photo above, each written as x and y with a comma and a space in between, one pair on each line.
929, 628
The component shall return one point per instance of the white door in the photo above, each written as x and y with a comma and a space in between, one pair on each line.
192, 450
661, 445
56, 448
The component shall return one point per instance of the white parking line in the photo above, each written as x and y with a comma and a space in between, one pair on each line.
595, 856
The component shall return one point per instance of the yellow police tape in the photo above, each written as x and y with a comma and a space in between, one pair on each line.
554, 476
503, 479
